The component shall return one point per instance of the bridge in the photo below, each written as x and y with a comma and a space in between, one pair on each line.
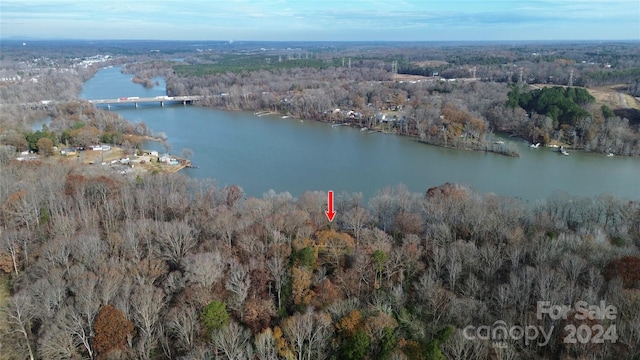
138, 100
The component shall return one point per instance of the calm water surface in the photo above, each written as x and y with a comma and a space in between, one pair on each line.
263, 153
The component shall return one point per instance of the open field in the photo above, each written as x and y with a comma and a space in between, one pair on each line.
430, 63
615, 97
407, 77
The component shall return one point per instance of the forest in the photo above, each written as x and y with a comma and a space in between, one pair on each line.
167, 267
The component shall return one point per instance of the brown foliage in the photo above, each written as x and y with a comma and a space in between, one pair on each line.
408, 223
258, 314
15, 197
282, 345
377, 323
626, 268
300, 283
75, 184
350, 324
327, 293
45, 146
112, 328
233, 194
448, 190
6, 260
333, 246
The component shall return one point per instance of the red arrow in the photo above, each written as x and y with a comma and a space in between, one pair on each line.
330, 213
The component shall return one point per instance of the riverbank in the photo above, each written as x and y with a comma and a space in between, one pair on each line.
496, 147
458, 144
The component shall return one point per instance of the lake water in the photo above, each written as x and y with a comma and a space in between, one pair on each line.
263, 153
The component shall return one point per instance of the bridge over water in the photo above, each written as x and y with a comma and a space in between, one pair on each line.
141, 100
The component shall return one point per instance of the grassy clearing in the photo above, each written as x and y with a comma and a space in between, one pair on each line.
614, 97
632, 102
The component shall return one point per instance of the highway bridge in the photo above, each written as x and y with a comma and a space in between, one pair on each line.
141, 100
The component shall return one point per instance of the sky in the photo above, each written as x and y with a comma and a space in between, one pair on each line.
322, 20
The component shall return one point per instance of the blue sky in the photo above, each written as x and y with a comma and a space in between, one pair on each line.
319, 20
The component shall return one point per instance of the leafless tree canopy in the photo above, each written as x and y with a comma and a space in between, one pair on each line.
461, 259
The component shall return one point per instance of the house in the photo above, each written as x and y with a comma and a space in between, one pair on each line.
68, 151
381, 117
100, 147
164, 158
167, 159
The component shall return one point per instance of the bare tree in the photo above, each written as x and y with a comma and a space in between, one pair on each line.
277, 266
86, 301
454, 269
184, 326
109, 283
573, 265
265, 345
490, 260
73, 323
238, 283
56, 343
433, 296
355, 220
308, 333
204, 268
48, 295
175, 239
459, 348
225, 223
232, 342
89, 250
19, 316
147, 302
57, 253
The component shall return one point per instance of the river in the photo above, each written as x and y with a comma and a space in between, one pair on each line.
263, 153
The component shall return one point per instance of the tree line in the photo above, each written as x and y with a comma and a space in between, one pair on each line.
76, 124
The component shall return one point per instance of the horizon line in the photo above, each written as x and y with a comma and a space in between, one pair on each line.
231, 41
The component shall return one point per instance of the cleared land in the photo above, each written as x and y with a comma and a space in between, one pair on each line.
614, 97
430, 63
140, 163
407, 77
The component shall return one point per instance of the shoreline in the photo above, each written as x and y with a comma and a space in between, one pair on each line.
505, 152
485, 147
